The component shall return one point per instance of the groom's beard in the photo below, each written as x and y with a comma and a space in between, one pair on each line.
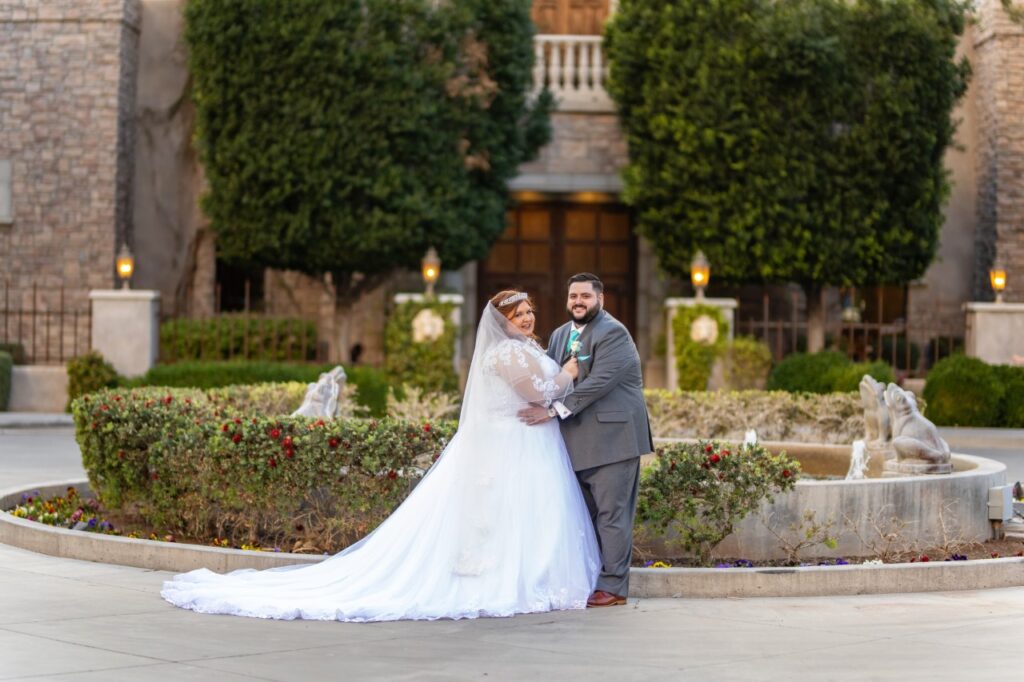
590, 314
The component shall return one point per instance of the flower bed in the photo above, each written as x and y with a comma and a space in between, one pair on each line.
201, 465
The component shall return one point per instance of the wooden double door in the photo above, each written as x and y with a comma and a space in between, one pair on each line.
545, 243
572, 17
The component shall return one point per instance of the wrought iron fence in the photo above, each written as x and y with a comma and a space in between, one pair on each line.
911, 350
41, 326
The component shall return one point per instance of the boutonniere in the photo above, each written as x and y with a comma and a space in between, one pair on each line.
574, 351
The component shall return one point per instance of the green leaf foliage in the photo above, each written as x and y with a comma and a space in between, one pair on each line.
232, 336
699, 492
748, 362
6, 365
694, 359
807, 372
1012, 380
795, 140
347, 136
425, 364
963, 391
371, 383
193, 462
89, 373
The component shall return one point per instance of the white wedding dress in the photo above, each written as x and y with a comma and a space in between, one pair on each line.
498, 526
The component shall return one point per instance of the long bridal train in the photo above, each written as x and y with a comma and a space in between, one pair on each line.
497, 527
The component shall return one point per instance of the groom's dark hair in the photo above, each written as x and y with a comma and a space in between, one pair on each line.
594, 280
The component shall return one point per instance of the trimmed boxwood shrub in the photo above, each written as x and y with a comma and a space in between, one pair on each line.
807, 372
371, 384
963, 391
237, 336
15, 350
1012, 380
747, 363
192, 465
848, 378
88, 373
6, 363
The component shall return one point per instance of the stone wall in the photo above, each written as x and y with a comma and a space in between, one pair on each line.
66, 98
586, 144
999, 77
67, 94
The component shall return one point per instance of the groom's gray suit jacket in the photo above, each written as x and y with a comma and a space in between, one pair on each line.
609, 416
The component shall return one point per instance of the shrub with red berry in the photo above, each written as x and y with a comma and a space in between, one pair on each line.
202, 466
698, 492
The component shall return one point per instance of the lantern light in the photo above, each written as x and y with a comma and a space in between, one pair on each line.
997, 277
125, 266
431, 270
700, 273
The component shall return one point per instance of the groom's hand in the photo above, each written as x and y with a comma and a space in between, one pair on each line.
533, 415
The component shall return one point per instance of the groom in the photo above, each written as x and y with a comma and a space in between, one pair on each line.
604, 424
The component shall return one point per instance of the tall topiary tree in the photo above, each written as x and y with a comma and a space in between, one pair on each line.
795, 140
347, 136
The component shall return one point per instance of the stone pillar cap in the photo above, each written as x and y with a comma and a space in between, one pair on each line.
124, 295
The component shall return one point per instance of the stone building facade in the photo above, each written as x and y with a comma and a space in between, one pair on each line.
96, 125
68, 73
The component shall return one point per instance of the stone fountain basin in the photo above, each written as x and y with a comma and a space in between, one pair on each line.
934, 506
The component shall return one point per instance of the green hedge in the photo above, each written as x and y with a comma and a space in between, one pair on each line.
748, 361
204, 468
238, 336
15, 350
824, 372
6, 363
807, 372
88, 373
1012, 380
371, 384
964, 391
424, 364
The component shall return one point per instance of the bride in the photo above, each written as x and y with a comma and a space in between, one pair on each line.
498, 526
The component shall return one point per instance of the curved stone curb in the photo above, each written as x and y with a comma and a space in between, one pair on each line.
112, 549
695, 583
818, 581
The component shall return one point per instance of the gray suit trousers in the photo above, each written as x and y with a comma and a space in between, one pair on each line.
610, 491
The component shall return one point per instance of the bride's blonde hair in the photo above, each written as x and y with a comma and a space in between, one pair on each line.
509, 309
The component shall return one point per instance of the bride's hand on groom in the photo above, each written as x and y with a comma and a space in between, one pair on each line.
572, 367
533, 415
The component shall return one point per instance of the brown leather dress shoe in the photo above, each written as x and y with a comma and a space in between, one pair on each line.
601, 598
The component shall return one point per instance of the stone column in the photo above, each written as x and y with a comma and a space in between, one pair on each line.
457, 300
126, 327
726, 305
995, 332
998, 63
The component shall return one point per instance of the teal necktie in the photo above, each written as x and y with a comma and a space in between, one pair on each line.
573, 336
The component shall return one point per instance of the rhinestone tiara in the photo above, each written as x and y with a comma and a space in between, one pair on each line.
514, 298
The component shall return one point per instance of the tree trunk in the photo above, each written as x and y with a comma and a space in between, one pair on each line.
815, 317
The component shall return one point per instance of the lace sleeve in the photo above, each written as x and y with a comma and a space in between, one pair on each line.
523, 368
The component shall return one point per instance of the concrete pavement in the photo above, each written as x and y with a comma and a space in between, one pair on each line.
72, 620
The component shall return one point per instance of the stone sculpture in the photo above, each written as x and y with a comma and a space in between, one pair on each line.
877, 426
322, 397
919, 448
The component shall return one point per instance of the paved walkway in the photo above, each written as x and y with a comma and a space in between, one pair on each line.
74, 620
